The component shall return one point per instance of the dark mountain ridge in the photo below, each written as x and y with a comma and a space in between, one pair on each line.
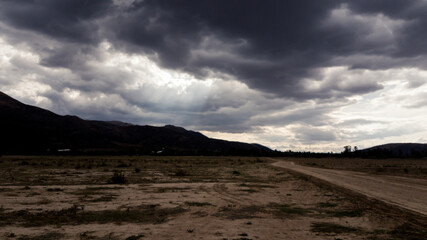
398, 150
27, 129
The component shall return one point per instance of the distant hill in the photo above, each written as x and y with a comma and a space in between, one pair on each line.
398, 150
27, 129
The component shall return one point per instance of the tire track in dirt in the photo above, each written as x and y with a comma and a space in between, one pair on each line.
222, 192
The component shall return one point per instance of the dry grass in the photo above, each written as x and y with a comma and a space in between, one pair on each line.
164, 197
77, 215
398, 167
326, 227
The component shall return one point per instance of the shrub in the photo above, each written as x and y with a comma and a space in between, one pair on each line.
181, 173
324, 227
118, 178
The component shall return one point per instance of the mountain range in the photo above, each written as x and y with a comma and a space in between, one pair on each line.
28, 129
397, 150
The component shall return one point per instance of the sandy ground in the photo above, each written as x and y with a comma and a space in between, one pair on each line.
408, 193
223, 198
213, 211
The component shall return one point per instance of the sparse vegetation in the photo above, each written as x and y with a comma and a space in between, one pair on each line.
105, 198
257, 185
77, 215
117, 178
181, 173
286, 210
326, 227
408, 232
233, 213
25, 163
40, 197
399, 167
346, 213
198, 204
135, 237
45, 236
123, 165
326, 205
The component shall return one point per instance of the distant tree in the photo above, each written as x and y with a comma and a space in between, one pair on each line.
347, 149
355, 148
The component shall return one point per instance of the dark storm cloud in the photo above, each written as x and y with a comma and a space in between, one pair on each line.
410, 42
70, 20
71, 24
286, 41
269, 45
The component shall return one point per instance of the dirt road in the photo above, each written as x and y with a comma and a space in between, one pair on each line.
408, 193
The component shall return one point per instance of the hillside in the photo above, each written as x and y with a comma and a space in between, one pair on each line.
398, 150
27, 129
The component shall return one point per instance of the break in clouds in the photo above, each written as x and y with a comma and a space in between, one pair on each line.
300, 75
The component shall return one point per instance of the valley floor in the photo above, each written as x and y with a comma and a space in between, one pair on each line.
180, 198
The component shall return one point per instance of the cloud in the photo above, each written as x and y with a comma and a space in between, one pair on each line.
308, 72
383, 132
419, 100
315, 115
312, 135
271, 54
359, 122
67, 20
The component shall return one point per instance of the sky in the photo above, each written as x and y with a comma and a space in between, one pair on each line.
292, 75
